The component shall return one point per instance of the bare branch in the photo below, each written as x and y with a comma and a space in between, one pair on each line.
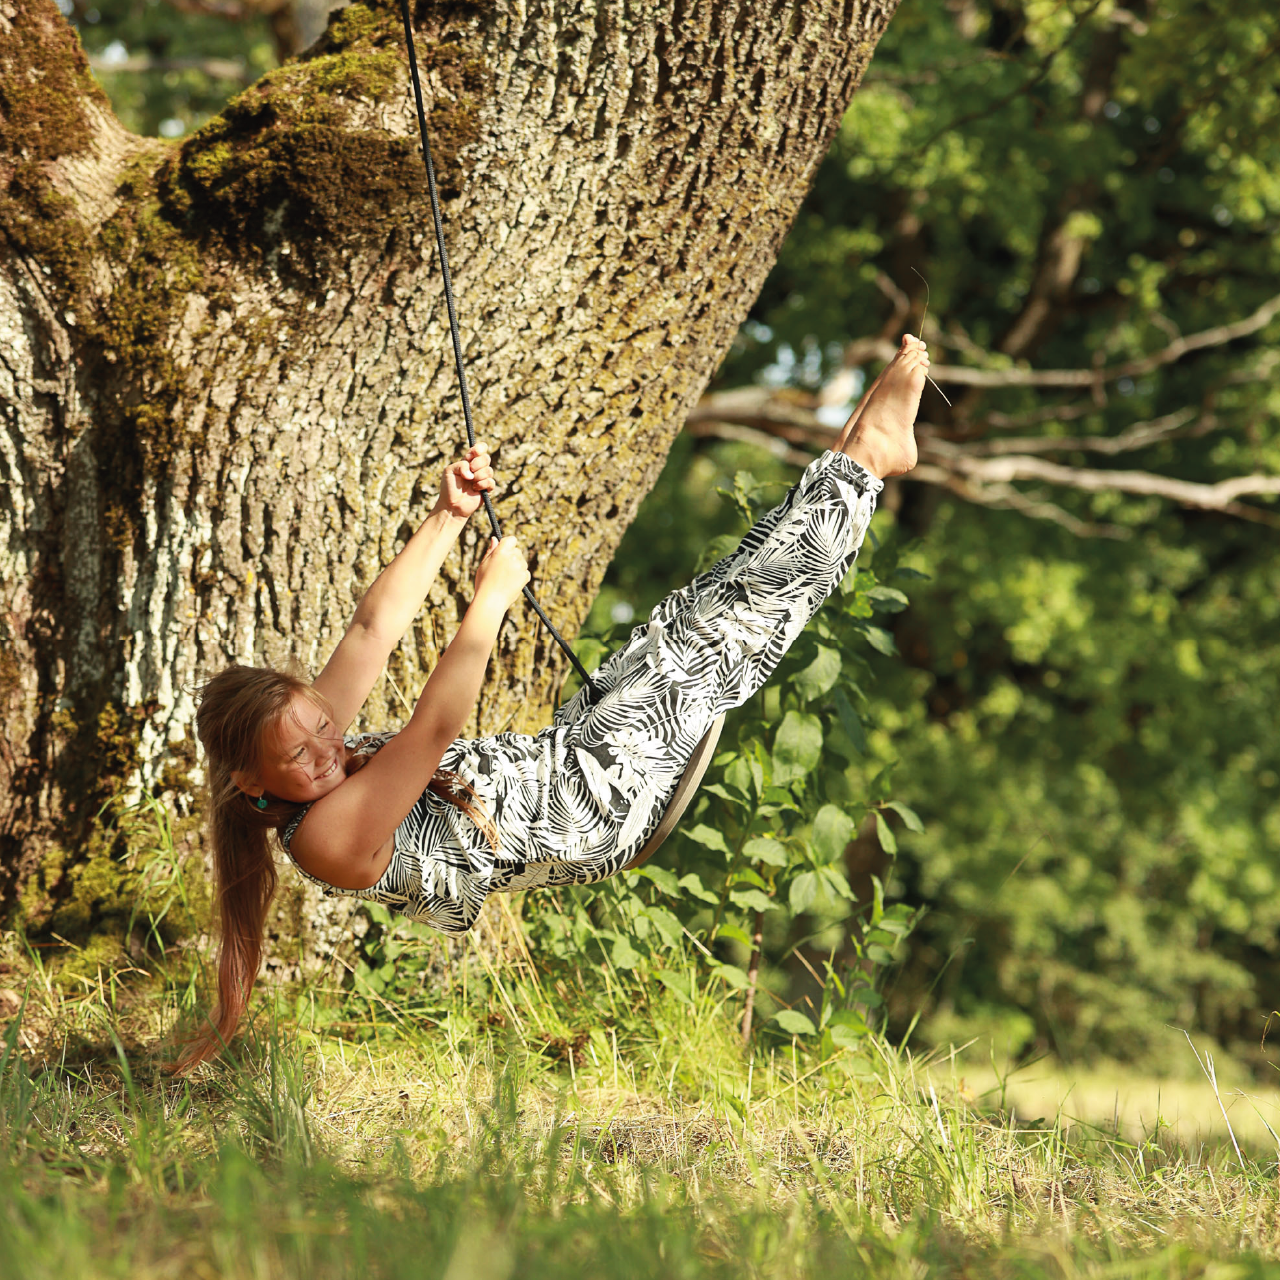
1007, 497
749, 435
766, 411
1218, 336
1221, 496
986, 471
1137, 436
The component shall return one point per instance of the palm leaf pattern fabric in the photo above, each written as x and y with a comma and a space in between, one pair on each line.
575, 802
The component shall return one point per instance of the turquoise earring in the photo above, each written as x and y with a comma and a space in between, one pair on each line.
261, 802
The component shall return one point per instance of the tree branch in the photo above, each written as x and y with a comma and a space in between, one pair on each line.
1218, 336
1221, 496
986, 471
1007, 497
1137, 436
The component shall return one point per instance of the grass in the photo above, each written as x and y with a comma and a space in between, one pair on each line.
561, 1120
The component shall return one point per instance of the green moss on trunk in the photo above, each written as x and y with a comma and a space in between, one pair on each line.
288, 170
45, 86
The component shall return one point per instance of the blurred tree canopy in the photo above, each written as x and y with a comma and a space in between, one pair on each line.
1085, 709
1083, 705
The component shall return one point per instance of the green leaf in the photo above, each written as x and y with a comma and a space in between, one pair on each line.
708, 836
766, 850
844, 1037
878, 955
910, 819
677, 983
794, 1023
590, 652
804, 891
797, 746
716, 549
819, 675
779, 796
752, 900
881, 640
832, 831
691, 883
734, 934
865, 995
877, 900
887, 599
850, 722
715, 789
888, 841
909, 574
623, 954
666, 924
850, 1018
835, 880
732, 975
738, 775
664, 879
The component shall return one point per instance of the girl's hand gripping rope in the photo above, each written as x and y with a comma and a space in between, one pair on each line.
503, 573
464, 483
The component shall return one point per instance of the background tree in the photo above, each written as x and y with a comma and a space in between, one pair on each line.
1085, 717
226, 394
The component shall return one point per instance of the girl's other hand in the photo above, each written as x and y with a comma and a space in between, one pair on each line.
503, 571
464, 483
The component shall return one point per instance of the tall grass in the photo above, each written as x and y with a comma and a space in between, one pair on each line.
562, 1118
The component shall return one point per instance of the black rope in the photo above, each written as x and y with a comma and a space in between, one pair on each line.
588, 683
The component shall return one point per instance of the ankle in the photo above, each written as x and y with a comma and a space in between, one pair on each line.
868, 453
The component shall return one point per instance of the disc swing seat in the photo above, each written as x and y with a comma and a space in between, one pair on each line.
701, 756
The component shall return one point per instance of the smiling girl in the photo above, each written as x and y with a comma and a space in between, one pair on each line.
428, 823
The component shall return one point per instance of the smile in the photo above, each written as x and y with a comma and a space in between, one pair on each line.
320, 777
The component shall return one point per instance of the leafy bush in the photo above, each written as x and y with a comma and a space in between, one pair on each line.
761, 857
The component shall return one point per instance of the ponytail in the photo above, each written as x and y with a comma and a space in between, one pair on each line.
237, 709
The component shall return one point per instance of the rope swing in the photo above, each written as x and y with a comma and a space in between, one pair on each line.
696, 766
593, 692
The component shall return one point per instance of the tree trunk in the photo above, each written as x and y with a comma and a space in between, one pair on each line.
224, 370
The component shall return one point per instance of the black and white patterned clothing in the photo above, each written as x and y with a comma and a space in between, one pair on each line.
575, 802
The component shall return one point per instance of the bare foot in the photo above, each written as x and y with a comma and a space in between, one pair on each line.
882, 439
848, 427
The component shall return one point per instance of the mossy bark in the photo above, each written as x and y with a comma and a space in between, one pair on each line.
225, 382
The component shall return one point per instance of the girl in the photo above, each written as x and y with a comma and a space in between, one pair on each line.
429, 824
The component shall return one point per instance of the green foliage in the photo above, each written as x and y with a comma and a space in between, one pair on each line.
188, 63
763, 849
1086, 725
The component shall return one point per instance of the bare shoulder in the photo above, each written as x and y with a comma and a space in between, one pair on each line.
347, 838
344, 865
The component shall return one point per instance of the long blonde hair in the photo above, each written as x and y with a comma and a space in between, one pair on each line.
238, 709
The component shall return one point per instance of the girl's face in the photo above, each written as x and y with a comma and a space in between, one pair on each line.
303, 757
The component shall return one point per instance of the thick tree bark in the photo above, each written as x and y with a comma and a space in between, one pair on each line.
224, 372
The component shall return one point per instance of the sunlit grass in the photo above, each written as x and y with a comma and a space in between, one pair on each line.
564, 1122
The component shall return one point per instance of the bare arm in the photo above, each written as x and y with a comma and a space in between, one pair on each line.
392, 602
341, 838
